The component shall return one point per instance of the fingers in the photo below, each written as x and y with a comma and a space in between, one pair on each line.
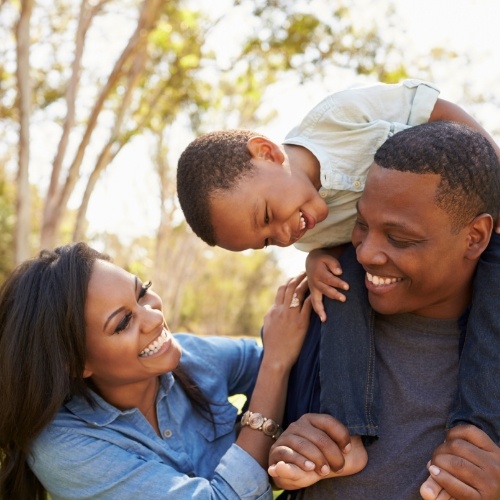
290, 477
467, 464
430, 490
453, 487
471, 434
317, 304
320, 439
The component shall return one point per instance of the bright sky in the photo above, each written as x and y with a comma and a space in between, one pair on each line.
468, 27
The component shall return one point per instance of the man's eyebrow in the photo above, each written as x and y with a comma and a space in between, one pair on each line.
395, 224
119, 310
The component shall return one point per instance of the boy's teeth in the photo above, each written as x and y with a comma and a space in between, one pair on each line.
302, 221
154, 346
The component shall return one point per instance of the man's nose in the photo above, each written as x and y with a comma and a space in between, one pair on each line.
370, 252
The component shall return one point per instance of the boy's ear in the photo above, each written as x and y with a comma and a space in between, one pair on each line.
260, 147
479, 236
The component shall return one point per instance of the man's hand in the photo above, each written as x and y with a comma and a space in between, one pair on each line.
314, 447
465, 467
323, 271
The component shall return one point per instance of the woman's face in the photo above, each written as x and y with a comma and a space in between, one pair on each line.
127, 340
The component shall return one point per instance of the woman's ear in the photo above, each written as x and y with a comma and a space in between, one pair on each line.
87, 372
479, 235
262, 148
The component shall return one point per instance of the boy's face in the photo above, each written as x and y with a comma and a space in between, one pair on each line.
413, 262
272, 206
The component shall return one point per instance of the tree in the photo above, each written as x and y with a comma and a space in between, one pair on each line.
163, 71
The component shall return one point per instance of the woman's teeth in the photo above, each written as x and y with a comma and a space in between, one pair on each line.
154, 347
379, 280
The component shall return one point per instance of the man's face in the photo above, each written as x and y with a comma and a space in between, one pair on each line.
273, 206
412, 260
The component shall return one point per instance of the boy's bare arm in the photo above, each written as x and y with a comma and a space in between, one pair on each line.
445, 110
323, 270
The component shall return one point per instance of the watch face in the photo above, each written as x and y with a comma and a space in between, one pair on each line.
270, 427
256, 421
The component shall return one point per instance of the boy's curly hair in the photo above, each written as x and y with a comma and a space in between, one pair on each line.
214, 162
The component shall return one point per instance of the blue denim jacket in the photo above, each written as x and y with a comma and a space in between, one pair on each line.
105, 453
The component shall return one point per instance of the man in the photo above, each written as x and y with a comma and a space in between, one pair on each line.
423, 221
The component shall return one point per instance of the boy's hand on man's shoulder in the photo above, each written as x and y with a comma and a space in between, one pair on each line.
323, 271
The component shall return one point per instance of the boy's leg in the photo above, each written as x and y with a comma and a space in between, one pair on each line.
478, 398
349, 389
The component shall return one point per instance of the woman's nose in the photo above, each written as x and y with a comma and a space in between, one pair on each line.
151, 319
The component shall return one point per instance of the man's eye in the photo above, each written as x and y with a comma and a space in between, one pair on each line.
123, 323
400, 243
144, 289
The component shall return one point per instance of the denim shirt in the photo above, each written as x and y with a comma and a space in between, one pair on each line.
106, 453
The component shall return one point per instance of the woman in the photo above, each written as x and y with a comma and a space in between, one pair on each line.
100, 400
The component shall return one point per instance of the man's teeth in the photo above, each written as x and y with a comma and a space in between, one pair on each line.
379, 280
302, 222
154, 347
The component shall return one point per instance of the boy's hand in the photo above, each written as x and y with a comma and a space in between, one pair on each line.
465, 467
291, 477
323, 271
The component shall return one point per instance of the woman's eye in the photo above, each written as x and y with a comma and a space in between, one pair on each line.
123, 323
144, 289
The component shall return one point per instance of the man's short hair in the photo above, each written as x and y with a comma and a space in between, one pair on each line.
211, 164
465, 160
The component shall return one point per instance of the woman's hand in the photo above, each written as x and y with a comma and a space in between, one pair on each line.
286, 323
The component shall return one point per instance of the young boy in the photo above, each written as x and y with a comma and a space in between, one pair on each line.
239, 190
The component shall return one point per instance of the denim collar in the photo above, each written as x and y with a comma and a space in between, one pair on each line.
103, 413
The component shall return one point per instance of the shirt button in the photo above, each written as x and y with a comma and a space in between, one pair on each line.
167, 433
357, 184
322, 194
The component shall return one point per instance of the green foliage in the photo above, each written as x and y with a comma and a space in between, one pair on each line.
231, 293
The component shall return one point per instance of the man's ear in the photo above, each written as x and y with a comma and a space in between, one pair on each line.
479, 235
260, 147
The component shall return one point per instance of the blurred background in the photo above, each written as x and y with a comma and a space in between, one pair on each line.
99, 97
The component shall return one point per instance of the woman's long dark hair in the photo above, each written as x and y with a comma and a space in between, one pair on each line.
42, 356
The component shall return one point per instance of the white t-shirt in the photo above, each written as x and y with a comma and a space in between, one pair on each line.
344, 131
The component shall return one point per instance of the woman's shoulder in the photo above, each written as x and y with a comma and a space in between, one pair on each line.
196, 348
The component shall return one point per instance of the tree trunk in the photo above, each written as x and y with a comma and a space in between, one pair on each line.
23, 201
56, 206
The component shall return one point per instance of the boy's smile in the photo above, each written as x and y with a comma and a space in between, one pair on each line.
272, 206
